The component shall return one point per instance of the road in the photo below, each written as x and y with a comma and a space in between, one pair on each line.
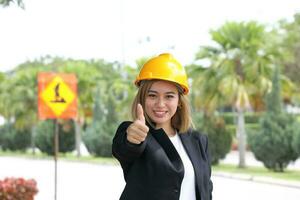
77, 181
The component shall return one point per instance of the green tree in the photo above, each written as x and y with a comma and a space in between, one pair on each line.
87, 74
4, 111
22, 97
45, 136
288, 39
98, 137
220, 138
272, 144
18, 97
296, 139
13, 139
18, 101
6, 3
239, 70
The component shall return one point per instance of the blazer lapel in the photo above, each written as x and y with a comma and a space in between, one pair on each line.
194, 152
164, 141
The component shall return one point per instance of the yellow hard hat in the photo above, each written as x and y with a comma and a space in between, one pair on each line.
164, 67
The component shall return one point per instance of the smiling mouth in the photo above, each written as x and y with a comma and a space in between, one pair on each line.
159, 113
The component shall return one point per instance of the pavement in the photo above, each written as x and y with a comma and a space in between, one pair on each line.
78, 180
233, 158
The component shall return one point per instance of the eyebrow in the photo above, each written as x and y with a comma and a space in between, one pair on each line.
153, 91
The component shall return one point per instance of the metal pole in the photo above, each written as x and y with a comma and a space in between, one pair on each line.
56, 149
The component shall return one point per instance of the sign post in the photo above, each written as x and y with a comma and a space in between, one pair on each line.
57, 99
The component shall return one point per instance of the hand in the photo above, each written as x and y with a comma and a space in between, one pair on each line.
137, 131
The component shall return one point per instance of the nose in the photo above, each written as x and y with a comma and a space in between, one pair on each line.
160, 102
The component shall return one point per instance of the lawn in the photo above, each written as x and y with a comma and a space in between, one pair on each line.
288, 175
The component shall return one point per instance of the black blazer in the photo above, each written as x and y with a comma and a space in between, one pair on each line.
153, 169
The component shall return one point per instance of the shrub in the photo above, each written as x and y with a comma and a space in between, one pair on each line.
229, 117
98, 139
44, 139
220, 138
98, 136
13, 139
296, 139
273, 143
232, 130
17, 189
250, 118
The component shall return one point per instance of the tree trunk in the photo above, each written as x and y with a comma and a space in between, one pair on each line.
78, 137
33, 134
241, 136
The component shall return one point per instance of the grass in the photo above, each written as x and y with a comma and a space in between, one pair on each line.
288, 175
61, 156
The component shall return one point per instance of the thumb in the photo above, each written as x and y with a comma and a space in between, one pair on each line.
140, 113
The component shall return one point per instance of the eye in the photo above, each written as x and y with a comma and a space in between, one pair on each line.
151, 95
170, 96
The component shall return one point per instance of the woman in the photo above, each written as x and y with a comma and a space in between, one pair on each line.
162, 157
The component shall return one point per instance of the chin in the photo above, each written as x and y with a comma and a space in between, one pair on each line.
159, 121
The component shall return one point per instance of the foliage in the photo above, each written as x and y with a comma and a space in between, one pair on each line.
98, 139
19, 98
239, 69
18, 189
6, 3
238, 73
98, 136
272, 144
250, 117
288, 43
13, 139
220, 138
296, 140
44, 139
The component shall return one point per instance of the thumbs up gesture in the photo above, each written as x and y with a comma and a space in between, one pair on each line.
137, 131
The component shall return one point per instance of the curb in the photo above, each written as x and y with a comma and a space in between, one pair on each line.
258, 179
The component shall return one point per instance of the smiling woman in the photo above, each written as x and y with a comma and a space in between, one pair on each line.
161, 155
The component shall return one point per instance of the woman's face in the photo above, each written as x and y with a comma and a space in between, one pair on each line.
161, 103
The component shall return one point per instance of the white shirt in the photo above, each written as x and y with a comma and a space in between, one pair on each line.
187, 190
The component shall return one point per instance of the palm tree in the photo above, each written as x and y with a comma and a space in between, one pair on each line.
239, 71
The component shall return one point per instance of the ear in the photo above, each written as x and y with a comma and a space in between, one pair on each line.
179, 106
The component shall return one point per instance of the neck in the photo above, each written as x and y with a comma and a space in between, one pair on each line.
169, 130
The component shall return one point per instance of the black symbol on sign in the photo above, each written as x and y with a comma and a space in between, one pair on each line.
58, 98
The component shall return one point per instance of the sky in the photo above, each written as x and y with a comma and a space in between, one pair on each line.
123, 30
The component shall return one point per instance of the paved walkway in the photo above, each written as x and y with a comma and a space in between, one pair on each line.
233, 158
78, 181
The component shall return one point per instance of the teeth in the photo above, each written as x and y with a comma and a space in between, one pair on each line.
160, 113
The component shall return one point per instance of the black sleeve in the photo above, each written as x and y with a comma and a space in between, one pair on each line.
122, 149
204, 141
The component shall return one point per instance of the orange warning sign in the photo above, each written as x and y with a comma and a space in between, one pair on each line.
57, 95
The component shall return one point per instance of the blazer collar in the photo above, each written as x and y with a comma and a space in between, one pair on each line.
164, 141
193, 150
